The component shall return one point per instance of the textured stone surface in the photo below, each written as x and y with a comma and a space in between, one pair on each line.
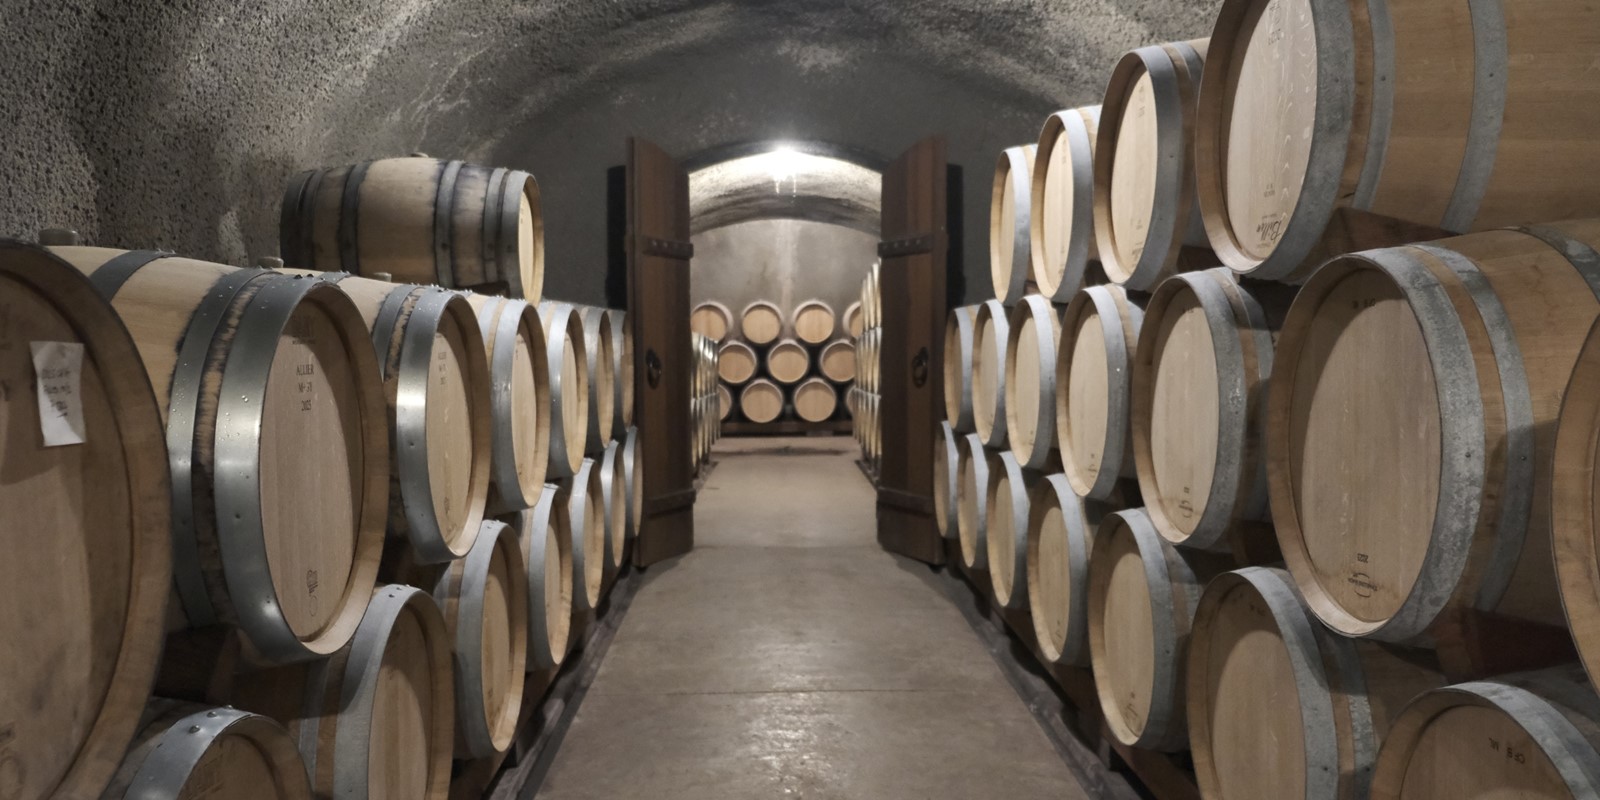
175, 123
789, 656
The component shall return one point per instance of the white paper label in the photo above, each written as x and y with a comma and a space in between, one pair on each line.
58, 370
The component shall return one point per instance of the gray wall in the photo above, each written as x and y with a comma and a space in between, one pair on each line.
175, 123
783, 261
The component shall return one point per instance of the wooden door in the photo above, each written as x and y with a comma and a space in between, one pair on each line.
912, 285
658, 251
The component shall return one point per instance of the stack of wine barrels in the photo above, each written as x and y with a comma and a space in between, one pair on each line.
774, 367
864, 392
705, 421
1305, 483
320, 496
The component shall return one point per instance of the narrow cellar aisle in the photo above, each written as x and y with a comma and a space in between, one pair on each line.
789, 656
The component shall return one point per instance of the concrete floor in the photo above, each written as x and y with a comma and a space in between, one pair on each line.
788, 656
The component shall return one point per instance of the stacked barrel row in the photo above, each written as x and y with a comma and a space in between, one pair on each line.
1297, 512
865, 396
775, 366
375, 507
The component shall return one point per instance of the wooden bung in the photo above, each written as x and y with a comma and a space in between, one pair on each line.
1006, 530
990, 335
1142, 596
973, 464
1061, 229
761, 323
1435, 372
621, 370
815, 400
1009, 223
1030, 385
569, 387
545, 536
484, 597
837, 361
519, 399
1278, 705
788, 362
277, 448
421, 220
199, 753
761, 401
88, 531
614, 496
958, 350
1532, 734
587, 520
599, 353
438, 386
1199, 373
377, 718
712, 320
1061, 529
1144, 208
1329, 127
813, 322
1094, 388
946, 480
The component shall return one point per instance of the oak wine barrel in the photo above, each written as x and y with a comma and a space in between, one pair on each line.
614, 496
1006, 530
377, 718
599, 352
1061, 229
974, 464
813, 322
484, 597
788, 362
837, 361
1533, 734
946, 480
990, 335
815, 400
87, 504
761, 323
438, 385
712, 320
1030, 384
633, 462
1278, 705
189, 751
724, 402
959, 347
1061, 528
872, 300
1435, 372
737, 363
276, 438
1094, 388
1009, 223
851, 320
621, 370
587, 520
569, 387
1144, 207
1199, 374
1142, 596
421, 220
519, 399
1327, 125
544, 534
761, 401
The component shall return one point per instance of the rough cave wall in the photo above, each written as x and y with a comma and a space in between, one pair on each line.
174, 123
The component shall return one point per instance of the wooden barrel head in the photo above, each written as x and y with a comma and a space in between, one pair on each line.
1009, 216
1006, 534
545, 537
1132, 190
529, 401
195, 753
788, 362
622, 369
530, 241
814, 322
852, 320
736, 362
614, 478
946, 472
815, 400
405, 756
990, 334
457, 427
1061, 232
838, 362
724, 402
958, 354
972, 504
1059, 540
1183, 412
1121, 617
711, 320
586, 512
87, 530
1030, 385
569, 379
1361, 383
761, 401
484, 597
1085, 427
761, 323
